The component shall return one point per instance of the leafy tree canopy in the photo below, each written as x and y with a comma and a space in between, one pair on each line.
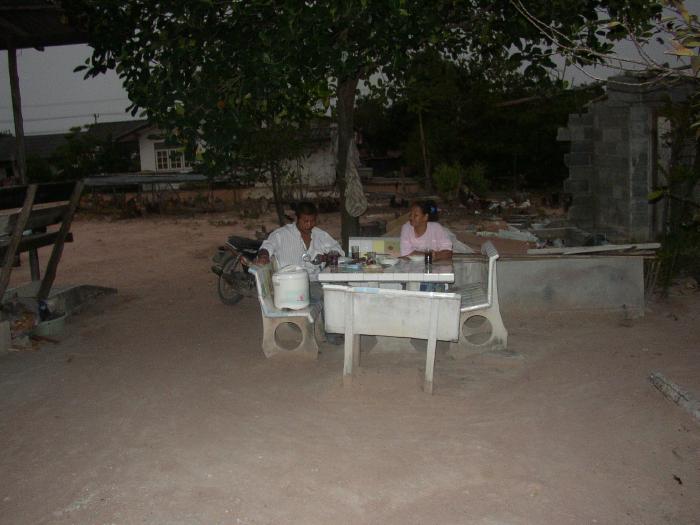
210, 70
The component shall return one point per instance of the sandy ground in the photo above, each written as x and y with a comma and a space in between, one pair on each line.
158, 406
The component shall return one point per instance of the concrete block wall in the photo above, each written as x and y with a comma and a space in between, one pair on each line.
582, 180
611, 160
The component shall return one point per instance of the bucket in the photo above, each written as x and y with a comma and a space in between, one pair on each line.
291, 288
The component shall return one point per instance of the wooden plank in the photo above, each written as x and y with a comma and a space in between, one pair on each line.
16, 238
575, 250
34, 270
42, 215
57, 251
13, 196
676, 394
32, 242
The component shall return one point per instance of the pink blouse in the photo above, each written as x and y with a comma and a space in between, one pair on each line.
435, 238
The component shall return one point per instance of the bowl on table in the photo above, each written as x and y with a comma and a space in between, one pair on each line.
387, 261
416, 258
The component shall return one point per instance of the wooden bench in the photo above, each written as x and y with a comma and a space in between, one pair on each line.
481, 326
357, 311
26, 214
306, 319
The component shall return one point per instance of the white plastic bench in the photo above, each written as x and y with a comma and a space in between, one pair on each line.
306, 319
357, 311
481, 326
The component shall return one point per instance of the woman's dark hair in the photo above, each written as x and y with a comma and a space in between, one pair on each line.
305, 208
428, 208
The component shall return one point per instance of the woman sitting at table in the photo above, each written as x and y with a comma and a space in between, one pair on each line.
422, 232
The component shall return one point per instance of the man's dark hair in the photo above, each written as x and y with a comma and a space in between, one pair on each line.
306, 208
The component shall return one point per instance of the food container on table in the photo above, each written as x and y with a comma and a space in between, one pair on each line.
387, 261
291, 288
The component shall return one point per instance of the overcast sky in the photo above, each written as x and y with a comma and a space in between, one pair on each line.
54, 98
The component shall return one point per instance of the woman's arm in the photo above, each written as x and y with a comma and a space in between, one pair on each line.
442, 255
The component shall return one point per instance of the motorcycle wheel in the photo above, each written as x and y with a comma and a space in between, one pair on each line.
230, 293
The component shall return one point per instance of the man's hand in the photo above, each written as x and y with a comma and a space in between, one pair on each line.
263, 257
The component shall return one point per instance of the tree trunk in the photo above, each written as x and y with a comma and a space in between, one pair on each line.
349, 225
277, 196
424, 149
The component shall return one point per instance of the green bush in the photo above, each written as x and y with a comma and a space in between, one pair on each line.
475, 178
447, 178
39, 170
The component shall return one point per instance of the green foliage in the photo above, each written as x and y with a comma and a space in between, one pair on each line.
84, 155
475, 178
494, 115
448, 178
680, 253
214, 72
39, 170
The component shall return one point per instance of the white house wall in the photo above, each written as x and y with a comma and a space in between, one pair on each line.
317, 168
147, 151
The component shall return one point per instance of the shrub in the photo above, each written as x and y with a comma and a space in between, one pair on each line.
475, 178
447, 178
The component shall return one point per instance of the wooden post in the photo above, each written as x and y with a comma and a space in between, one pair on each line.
15, 239
20, 152
57, 251
34, 269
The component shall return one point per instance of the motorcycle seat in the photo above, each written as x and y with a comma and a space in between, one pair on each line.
243, 243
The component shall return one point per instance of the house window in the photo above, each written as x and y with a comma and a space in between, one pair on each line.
170, 158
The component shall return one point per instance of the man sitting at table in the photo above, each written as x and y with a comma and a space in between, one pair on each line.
301, 243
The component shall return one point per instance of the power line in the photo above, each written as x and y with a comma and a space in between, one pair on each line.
89, 115
70, 103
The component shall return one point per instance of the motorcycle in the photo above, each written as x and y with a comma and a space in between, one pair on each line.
231, 263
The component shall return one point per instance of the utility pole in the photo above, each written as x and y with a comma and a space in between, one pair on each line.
20, 152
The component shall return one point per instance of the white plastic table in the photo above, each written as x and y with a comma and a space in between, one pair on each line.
404, 271
409, 272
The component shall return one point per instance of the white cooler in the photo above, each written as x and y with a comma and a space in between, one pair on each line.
291, 288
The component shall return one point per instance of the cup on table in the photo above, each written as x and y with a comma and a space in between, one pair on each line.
371, 257
355, 252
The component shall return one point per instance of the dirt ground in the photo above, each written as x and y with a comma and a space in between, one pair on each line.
158, 406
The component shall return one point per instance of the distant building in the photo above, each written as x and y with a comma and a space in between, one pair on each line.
316, 168
157, 157
45, 147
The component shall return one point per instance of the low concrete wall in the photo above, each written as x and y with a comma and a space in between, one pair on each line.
613, 283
